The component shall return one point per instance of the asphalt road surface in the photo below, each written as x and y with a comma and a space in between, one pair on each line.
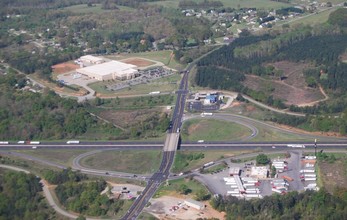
168, 152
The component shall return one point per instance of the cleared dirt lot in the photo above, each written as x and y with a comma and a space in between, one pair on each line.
333, 174
139, 62
160, 208
126, 118
293, 90
64, 67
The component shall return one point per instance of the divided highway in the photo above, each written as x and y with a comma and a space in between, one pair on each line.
169, 150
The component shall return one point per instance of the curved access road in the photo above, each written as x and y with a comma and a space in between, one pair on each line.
47, 195
237, 120
76, 166
253, 123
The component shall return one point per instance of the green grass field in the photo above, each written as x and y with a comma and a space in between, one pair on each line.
165, 84
84, 9
213, 130
182, 164
261, 4
139, 162
174, 185
141, 102
311, 19
63, 157
163, 56
95, 9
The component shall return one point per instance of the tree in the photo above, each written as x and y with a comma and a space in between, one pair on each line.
273, 171
202, 195
183, 189
262, 159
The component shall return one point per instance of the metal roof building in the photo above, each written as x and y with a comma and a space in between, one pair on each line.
91, 59
194, 204
110, 71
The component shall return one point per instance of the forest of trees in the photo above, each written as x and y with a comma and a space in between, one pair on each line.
75, 32
86, 198
20, 197
294, 205
321, 46
60, 177
27, 115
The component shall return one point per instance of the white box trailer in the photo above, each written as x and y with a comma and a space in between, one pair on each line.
307, 171
253, 196
34, 142
252, 191
309, 175
73, 142
229, 179
4, 142
312, 185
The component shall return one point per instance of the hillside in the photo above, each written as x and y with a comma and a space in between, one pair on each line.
286, 70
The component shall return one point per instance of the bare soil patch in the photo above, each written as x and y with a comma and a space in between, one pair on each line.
333, 174
162, 209
139, 62
64, 67
327, 134
125, 118
292, 90
343, 57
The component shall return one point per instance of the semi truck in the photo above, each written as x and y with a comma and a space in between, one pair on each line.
73, 142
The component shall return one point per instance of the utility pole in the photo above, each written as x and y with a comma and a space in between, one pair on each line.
315, 147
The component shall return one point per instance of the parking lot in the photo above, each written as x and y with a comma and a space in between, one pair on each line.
217, 183
144, 77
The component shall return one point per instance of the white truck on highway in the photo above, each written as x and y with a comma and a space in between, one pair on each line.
73, 142
155, 92
34, 142
296, 145
206, 114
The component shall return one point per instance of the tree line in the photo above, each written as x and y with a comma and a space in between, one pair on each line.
26, 115
293, 205
20, 197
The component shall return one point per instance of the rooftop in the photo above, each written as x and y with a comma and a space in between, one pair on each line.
110, 67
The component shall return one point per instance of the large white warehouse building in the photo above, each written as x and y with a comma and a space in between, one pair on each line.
110, 70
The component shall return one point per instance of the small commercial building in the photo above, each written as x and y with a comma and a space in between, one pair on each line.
234, 171
91, 59
194, 204
210, 99
260, 172
110, 71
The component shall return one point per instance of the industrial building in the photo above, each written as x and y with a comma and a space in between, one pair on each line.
234, 171
259, 172
194, 204
110, 71
91, 59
